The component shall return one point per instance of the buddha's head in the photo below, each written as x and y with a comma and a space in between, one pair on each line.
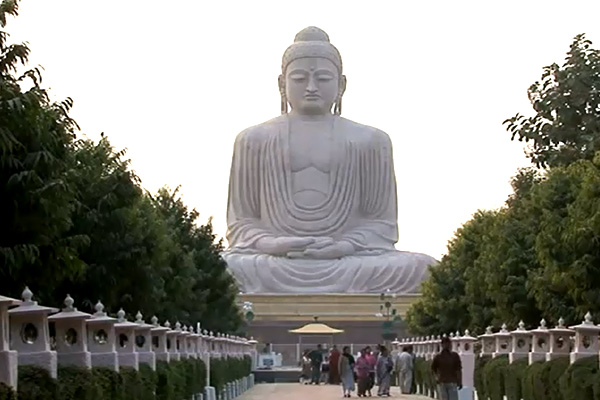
311, 79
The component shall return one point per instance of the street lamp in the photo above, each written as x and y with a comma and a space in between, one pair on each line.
390, 314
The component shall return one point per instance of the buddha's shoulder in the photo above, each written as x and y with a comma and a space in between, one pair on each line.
363, 133
262, 131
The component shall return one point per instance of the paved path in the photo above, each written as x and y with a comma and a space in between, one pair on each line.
295, 391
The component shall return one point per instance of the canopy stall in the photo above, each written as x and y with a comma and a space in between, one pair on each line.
315, 329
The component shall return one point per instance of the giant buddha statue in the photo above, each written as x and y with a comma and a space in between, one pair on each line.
312, 196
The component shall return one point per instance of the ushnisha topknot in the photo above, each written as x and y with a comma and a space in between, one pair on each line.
312, 42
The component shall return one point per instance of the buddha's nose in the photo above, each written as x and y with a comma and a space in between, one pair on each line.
312, 86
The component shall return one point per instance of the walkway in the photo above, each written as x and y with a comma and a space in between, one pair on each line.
295, 391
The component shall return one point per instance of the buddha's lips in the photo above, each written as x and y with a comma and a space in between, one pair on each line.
312, 97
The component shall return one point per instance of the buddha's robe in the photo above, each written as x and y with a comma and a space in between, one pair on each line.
361, 208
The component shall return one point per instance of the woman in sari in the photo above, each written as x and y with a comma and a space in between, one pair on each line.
346, 367
334, 361
362, 373
385, 366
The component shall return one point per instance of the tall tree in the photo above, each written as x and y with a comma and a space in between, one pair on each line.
566, 124
36, 198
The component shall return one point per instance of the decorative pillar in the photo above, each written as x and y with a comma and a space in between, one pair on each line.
586, 339
159, 340
9, 360
253, 352
539, 346
102, 339
488, 342
192, 343
502, 342
172, 341
560, 341
71, 336
125, 332
30, 333
521, 343
143, 342
465, 345
180, 339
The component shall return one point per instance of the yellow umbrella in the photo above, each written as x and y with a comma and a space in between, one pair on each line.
316, 329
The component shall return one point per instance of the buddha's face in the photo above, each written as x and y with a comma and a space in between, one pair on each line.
312, 85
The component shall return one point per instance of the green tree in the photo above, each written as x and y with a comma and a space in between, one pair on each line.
127, 238
566, 101
36, 199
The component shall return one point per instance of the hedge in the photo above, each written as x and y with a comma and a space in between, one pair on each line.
577, 383
478, 380
513, 379
424, 378
494, 373
6, 393
171, 381
553, 380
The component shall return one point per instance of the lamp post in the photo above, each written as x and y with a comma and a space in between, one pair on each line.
387, 311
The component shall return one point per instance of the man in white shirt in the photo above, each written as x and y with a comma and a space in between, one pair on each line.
404, 367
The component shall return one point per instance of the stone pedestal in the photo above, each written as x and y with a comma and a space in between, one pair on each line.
488, 342
30, 333
159, 340
503, 341
560, 340
71, 336
8, 359
586, 339
210, 393
126, 348
143, 342
172, 343
539, 344
101, 339
521, 343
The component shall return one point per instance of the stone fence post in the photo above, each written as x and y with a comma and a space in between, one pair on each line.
560, 341
540, 345
125, 333
30, 332
8, 359
467, 356
159, 340
488, 342
102, 339
502, 342
586, 339
71, 336
521, 343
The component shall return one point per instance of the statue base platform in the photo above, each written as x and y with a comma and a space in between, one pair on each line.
357, 314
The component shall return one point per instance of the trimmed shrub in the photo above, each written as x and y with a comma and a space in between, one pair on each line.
148, 382
132, 383
478, 380
577, 383
75, 383
494, 375
110, 382
551, 374
6, 393
35, 383
513, 378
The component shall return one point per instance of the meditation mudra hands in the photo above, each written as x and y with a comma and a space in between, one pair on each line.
324, 248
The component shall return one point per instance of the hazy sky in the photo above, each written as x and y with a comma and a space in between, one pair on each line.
174, 82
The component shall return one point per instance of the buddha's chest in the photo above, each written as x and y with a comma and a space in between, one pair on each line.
311, 150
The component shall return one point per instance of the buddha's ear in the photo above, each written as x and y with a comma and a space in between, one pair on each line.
281, 83
343, 82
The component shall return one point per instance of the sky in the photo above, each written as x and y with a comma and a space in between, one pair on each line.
175, 82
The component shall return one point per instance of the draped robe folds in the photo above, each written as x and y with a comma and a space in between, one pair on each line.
361, 208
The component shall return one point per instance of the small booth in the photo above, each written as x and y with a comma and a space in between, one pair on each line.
312, 330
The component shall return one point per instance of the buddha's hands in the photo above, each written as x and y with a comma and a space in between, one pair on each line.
282, 246
325, 249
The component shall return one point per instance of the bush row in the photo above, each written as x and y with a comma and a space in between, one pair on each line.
171, 381
553, 380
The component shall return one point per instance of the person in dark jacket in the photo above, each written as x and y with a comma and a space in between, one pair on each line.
447, 368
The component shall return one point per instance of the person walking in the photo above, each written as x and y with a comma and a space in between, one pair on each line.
385, 366
346, 368
316, 359
372, 360
334, 371
306, 373
447, 368
362, 373
404, 368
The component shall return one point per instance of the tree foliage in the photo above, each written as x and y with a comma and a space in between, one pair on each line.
539, 255
75, 218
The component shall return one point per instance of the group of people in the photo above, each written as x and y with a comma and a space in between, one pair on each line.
370, 368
